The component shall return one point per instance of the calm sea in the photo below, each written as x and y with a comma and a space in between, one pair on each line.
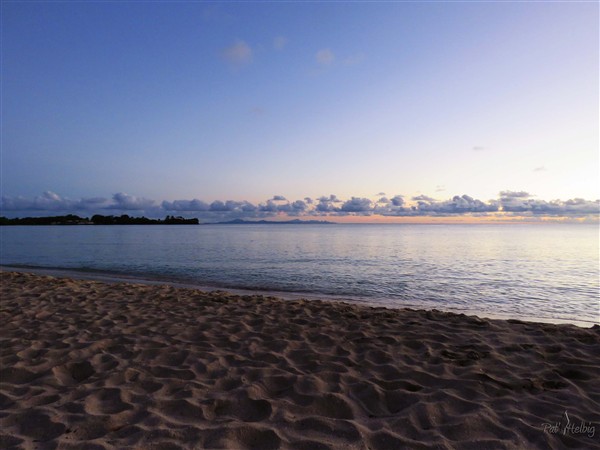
530, 272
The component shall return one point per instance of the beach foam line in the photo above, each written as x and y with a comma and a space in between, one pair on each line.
88, 364
117, 277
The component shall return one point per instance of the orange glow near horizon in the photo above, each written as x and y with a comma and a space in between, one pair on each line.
495, 219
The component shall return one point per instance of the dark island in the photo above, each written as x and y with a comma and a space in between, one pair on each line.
97, 219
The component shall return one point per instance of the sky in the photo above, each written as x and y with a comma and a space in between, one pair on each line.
364, 111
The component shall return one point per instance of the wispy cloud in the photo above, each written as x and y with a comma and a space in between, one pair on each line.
215, 13
257, 111
478, 148
514, 194
280, 42
354, 59
423, 198
540, 169
511, 203
325, 57
238, 54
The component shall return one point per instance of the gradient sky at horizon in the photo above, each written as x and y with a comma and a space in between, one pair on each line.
246, 100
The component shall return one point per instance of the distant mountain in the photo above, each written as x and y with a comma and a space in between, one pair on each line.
272, 222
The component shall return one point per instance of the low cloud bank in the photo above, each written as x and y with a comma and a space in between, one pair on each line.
511, 203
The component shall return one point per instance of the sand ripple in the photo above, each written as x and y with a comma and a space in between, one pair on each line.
89, 365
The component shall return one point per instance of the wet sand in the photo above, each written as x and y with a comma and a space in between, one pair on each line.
93, 365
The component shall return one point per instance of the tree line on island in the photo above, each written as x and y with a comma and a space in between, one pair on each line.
98, 219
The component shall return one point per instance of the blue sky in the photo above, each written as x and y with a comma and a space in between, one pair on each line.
171, 101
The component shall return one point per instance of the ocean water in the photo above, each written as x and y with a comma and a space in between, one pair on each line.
530, 272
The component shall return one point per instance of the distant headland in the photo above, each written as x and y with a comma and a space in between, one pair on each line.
272, 222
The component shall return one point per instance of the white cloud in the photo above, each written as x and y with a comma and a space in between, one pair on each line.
576, 207
357, 205
325, 57
463, 204
515, 203
50, 201
238, 54
185, 205
125, 201
398, 200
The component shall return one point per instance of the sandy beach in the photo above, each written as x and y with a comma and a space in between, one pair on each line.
94, 365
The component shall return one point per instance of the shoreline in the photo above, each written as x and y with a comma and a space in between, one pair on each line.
111, 277
121, 365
